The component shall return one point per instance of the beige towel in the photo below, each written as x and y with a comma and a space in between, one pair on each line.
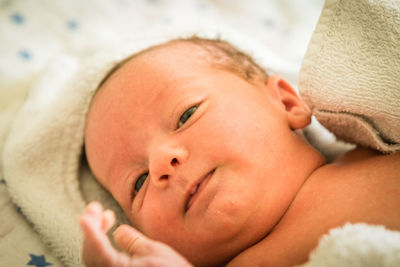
350, 75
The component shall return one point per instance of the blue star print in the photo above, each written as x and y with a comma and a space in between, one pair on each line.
17, 18
24, 54
72, 24
38, 261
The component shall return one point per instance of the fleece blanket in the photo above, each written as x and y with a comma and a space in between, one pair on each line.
42, 166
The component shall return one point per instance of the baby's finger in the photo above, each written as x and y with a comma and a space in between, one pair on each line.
132, 241
97, 249
94, 209
108, 220
92, 218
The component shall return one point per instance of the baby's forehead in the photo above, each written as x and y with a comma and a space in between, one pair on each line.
178, 52
167, 63
158, 55
175, 56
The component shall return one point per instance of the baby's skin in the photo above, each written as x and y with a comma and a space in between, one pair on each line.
209, 163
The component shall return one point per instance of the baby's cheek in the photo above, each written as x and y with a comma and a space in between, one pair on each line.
155, 219
224, 212
227, 213
134, 221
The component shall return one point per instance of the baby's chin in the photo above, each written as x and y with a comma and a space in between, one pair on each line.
208, 257
215, 250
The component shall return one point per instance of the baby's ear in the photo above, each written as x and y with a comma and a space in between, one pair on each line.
298, 114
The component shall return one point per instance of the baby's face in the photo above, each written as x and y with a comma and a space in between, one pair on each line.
195, 155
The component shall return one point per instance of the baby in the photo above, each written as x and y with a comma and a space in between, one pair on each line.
198, 146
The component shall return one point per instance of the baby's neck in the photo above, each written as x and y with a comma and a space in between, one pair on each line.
309, 161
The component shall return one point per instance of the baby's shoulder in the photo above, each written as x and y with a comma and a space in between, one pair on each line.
363, 186
361, 155
359, 173
364, 166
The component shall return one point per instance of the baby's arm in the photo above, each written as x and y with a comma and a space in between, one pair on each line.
140, 250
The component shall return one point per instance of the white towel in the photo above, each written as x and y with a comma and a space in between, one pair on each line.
350, 73
358, 245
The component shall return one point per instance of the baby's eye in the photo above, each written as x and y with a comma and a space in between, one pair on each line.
140, 181
186, 115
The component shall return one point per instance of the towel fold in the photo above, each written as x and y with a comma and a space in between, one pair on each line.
350, 74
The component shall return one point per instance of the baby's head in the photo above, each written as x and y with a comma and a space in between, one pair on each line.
196, 143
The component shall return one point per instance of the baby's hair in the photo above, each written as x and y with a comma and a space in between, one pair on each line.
222, 55
226, 56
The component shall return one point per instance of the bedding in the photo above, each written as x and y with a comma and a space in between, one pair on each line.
55, 56
350, 73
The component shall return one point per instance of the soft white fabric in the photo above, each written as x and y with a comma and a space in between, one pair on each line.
17, 238
350, 73
358, 245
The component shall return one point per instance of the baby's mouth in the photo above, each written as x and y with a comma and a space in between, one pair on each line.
196, 189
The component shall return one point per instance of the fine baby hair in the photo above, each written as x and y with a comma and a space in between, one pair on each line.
221, 54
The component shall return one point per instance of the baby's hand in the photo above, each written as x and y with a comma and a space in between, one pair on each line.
141, 251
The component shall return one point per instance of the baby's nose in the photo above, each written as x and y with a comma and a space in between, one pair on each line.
174, 162
165, 163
